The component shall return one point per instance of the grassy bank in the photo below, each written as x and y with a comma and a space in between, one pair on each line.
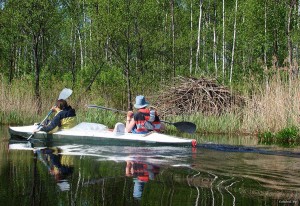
270, 112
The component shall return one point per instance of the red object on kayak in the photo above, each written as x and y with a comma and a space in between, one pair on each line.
194, 143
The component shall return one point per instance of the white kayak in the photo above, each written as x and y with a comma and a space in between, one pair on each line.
93, 133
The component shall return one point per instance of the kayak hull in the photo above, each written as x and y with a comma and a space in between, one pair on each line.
93, 133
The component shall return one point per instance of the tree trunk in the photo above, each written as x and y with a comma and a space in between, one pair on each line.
127, 69
84, 34
173, 37
198, 39
12, 63
233, 43
215, 38
223, 50
73, 57
289, 43
127, 73
81, 49
275, 46
265, 49
191, 39
35, 47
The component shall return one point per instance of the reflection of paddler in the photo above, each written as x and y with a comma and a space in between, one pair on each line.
142, 173
54, 162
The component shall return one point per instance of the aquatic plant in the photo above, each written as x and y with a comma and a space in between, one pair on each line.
286, 136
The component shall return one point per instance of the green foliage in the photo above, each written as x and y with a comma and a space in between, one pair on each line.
266, 137
76, 38
286, 136
107, 118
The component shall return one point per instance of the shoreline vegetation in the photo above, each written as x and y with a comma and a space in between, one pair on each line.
271, 113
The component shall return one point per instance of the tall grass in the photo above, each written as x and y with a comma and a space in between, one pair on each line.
19, 107
273, 108
16, 103
100, 116
227, 123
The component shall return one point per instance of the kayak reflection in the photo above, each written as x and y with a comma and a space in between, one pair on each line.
141, 172
58, 168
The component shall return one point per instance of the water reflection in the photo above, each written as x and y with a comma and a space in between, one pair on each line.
214, 174
58, 168
141, 172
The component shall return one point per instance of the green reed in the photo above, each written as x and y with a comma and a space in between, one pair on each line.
108, 118
288, 136
226, 123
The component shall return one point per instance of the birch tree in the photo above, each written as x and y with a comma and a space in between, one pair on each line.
199, 36
191, 38
215, 39
291, 5
173, 36
233, 42
265, 46
223, 40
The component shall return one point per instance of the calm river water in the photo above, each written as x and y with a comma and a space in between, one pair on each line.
220, 171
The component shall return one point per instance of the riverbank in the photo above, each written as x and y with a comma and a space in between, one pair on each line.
270, 112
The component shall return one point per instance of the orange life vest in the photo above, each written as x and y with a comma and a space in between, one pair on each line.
142, 117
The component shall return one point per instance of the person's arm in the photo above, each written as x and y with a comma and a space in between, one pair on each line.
162, 125
130, 123
129, 168
54, 123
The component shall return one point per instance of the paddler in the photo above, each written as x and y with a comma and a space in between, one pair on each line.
65, 118
145, 120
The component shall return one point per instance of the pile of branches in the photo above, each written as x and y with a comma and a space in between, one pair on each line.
192, 95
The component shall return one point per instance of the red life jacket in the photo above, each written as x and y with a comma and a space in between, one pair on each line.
142, 117
140, 171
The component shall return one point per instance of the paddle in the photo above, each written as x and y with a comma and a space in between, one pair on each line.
64, 94
188, 127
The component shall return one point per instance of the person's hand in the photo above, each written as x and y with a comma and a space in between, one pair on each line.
36, 130
53, 109
129, 115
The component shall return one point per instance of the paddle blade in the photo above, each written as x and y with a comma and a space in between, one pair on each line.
65, 93
188, 127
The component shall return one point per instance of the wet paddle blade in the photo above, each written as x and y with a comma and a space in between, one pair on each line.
188, 127
65, 93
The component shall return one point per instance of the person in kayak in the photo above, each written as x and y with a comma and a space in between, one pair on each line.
145, 120
65, 118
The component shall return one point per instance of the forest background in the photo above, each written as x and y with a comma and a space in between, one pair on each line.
108, 51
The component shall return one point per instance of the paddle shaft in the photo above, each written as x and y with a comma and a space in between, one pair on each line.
49, 113
188, 127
